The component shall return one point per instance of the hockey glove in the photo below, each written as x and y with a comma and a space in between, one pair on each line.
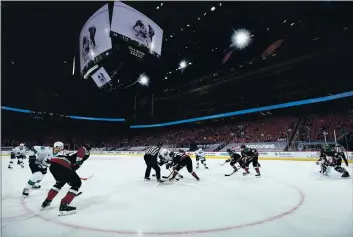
228, 160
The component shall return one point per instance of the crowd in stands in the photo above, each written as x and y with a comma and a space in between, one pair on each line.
267, 129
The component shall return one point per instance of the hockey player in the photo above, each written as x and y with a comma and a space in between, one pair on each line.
166, 157
18, 152
200, 155
63, 168
180, 160
150, 157
250, 156
39, 160
234, 159
331, 158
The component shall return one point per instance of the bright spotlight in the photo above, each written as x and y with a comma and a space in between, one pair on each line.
183, 64
241, 38
143, 80
92, 53
213, 8
152, 47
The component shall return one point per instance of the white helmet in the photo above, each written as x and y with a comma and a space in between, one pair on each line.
200, 149
59, 144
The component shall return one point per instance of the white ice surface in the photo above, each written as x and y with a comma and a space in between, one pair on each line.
291, 199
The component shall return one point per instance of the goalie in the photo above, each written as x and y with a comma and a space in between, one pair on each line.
331, 158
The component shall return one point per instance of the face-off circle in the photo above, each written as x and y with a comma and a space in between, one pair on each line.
141, 232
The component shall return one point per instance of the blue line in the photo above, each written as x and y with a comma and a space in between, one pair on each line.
15, 109
253, 110
98, 119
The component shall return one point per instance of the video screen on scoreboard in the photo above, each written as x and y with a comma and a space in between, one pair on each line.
129, 22
94, 36
101, 77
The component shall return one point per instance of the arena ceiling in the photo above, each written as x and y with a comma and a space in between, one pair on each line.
40, 40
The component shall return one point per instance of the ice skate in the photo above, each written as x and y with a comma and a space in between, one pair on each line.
65, 210
36, 186
25, 193
45, 204
246, 173
147, 179
345, 175
258, 175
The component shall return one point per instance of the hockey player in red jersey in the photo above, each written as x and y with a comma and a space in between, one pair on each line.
180, 160
63, 168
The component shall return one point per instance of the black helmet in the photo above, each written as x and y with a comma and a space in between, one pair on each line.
229, 150
181, 151
87, 146
243, 146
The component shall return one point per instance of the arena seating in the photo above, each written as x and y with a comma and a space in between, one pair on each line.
266, 129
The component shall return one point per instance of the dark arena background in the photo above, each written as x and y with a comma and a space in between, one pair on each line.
114, 79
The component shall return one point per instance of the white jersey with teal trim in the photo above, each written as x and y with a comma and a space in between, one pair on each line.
40, 155
17, 151
200, 153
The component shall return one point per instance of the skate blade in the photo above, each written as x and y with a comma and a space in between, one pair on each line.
66, 213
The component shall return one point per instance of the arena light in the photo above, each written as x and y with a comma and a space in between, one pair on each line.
152, 46
183, 64
241, 38
92, 53
213, 8
143, 80
89, 71
73, 66
15, 109
97, 119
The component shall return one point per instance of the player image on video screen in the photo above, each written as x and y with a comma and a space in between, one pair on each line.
141, 33
89, 43
101, 78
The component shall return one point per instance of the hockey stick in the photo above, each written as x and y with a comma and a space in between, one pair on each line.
224, 163
235, 170
89, 177
231, 173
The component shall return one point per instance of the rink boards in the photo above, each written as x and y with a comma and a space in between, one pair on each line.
292, 156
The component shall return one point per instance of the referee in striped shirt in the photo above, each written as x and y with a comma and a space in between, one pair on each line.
151, 155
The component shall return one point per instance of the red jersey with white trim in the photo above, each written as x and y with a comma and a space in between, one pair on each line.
72, 160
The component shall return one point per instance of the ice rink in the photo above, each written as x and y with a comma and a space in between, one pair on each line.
291, 199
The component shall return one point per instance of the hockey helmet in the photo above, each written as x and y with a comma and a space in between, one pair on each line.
58, 146
87, 146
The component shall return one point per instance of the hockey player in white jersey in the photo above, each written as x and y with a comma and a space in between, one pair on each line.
200, 156
18, 152
39, 160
